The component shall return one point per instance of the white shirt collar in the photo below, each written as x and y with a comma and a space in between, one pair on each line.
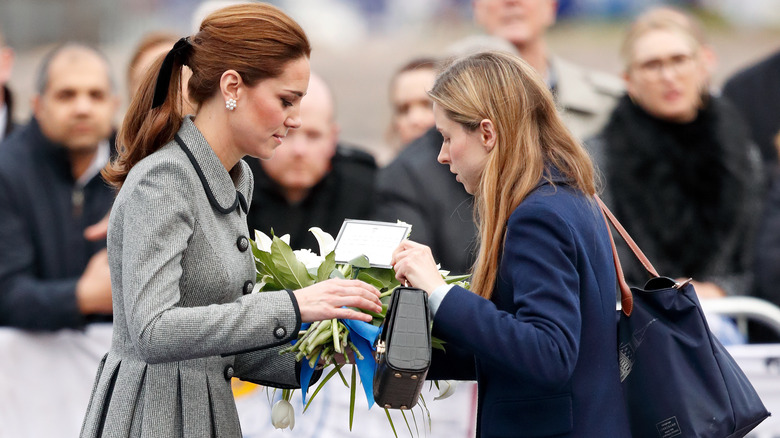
3, 119
102, 155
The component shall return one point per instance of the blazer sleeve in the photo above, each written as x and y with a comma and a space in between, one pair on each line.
27, 301
158, 223
539, 342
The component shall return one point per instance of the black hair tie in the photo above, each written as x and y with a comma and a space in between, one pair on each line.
180, 50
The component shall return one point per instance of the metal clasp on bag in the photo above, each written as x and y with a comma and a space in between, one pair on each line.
380, 347
681, 284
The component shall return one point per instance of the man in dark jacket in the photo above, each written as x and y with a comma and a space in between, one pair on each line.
755, 92
51, 276
6, 101
311, 181
418, 190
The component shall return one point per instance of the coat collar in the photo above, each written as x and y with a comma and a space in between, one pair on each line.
226, 191
552, 176
581, 90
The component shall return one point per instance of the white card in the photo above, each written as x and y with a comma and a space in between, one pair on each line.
375, 240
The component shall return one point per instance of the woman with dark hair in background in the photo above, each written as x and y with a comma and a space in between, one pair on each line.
182, 271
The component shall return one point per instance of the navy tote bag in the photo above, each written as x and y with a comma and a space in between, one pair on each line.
677, 378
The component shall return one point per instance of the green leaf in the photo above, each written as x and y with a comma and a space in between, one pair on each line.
456, 278
403, 414
352, 396
326, 267
384, 275
368, 278
438, 344
414, 418
343, 379
390, 420
424, 407
292, 274
322, 383
360, 261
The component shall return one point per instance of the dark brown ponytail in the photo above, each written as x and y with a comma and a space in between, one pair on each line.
256, 40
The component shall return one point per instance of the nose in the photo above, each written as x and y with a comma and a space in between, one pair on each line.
293, 121
420, 117
296, 142
83, 104
444, 155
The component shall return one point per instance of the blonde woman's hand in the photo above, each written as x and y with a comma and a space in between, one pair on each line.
333, 298
414, 265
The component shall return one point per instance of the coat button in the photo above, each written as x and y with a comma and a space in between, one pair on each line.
242, 243
228, 372
280, 332
248, 286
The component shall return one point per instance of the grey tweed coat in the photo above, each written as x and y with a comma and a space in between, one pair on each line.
184, 321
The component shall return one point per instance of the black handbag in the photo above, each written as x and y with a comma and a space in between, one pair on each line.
403, 350
677, 378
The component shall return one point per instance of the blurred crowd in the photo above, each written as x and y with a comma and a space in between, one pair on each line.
691, 170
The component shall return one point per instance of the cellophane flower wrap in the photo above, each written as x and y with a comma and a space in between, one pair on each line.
320, 344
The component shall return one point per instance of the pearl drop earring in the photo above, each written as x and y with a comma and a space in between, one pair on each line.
230, 104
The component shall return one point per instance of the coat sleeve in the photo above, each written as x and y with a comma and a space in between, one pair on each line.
157, 223
27, 301
398, 198
539, 342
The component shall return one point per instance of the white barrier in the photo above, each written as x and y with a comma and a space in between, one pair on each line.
328, 414
46, 380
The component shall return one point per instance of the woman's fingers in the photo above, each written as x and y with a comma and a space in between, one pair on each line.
325, 300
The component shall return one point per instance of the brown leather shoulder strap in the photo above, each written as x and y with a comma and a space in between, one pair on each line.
626, 299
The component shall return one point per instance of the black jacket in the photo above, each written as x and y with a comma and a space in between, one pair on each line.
9, 103
755, 92
418, 190
689, 194
346, 192
42, 249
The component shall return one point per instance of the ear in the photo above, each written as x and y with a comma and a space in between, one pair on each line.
553, 12
335, 132
6, 64
35, 104
627, 82
488, 134
710, 59
229, 85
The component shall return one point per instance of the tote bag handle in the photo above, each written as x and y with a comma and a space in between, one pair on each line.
626, 299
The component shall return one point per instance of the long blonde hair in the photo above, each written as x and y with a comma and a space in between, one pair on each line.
530, 137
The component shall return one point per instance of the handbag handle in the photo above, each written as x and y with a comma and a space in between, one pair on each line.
626, 298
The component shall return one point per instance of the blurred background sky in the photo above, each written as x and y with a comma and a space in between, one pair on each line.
358, 44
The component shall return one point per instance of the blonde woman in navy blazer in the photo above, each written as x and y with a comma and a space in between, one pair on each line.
538, 329
182, 273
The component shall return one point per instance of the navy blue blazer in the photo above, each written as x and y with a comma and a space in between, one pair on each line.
544, 348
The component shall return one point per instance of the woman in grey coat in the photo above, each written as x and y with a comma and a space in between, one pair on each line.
185, 320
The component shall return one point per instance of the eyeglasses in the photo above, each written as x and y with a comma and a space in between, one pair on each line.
677, 64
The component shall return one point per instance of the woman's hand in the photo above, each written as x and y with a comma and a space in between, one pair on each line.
332, 299
414, 265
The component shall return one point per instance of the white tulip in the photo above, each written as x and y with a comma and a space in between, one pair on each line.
324, 240
446, 389
262, 241
308, 258
283, 415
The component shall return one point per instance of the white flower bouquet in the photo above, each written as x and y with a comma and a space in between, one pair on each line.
330, 343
